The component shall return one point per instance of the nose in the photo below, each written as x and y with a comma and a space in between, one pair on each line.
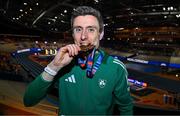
83, 35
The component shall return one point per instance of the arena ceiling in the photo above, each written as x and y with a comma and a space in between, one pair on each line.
53, 16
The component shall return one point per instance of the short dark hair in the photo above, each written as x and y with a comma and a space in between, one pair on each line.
86, 10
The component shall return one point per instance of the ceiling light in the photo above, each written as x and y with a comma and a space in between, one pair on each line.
37, 4
171, 8
164, 8
106, 24
20, 10
65, 11
96, 1
25, 3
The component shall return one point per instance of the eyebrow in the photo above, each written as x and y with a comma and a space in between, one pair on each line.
86, 27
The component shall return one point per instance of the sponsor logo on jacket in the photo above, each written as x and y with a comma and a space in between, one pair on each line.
71, 79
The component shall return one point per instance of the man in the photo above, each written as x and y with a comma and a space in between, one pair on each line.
90, 81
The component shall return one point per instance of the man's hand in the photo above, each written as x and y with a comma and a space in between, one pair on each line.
64, 56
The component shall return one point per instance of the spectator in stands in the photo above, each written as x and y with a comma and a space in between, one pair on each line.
90, 82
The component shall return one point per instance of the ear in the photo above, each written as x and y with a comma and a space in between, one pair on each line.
101, 35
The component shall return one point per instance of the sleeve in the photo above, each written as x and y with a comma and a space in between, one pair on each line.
122, 93
36, 91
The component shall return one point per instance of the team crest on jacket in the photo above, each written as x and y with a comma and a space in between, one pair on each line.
102, 83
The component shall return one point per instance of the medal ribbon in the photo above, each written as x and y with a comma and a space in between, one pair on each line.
88, 63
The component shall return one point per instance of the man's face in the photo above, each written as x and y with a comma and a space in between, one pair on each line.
86, 30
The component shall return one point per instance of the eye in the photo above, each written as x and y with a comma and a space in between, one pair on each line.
91, 29
77, 30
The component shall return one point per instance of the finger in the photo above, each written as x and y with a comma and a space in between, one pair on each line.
75, 47
78, 48
70, 50
60, 53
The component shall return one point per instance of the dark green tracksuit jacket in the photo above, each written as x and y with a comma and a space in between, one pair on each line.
79, 94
